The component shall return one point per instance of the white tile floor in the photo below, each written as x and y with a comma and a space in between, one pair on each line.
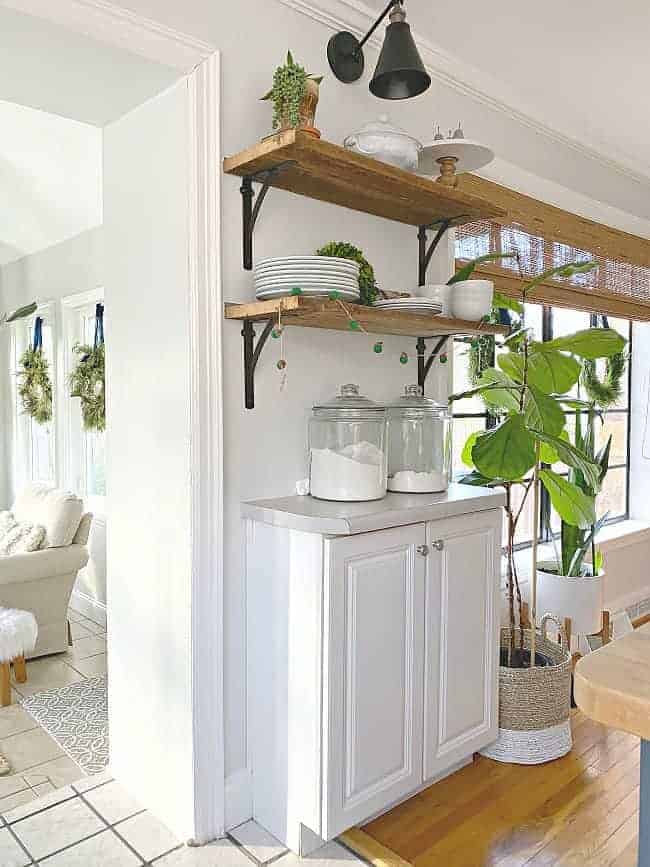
95, 823
52, 815
39, 765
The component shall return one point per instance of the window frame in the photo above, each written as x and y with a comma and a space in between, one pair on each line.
544, 518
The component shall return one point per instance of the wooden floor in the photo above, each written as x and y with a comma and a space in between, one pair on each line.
579, 810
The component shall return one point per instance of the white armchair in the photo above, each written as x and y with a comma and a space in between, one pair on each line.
42, 581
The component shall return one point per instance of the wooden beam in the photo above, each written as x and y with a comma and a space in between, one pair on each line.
565, 295
555, 224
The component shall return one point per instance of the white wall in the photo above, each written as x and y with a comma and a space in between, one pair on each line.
148, 477
265, 448
640, 424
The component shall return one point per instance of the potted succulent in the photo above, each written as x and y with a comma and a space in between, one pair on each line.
527, 390
294, 96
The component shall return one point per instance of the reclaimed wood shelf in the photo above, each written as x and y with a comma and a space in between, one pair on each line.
329, 314
321, 170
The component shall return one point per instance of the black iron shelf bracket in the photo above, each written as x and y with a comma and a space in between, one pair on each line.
250, 211
252, 351
425, 253
424, 365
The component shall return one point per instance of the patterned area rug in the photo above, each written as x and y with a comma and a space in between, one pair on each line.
76, 716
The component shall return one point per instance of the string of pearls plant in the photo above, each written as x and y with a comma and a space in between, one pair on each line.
289, 87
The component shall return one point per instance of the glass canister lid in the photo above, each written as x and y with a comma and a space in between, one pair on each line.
350, 401
413, 401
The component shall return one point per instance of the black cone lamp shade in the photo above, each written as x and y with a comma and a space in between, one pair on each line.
400, 73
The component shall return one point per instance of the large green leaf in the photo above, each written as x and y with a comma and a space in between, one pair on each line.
507, 452
502, 302
571, 504
568, 270
512, 364
505, 397
466, 454
477, 480
551, 371
543, 412
590, 343
547, 453
568, 454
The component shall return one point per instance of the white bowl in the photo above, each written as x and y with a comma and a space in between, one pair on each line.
439, 292
471, 299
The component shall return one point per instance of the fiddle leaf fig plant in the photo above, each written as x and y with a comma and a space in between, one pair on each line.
528, 392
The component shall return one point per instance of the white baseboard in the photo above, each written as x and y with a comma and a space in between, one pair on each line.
239, 798
89, 607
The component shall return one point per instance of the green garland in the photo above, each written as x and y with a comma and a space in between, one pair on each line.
35, 389
343, 250
607, 391
87, 381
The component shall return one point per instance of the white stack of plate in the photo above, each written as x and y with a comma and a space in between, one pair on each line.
313, 275
423, 306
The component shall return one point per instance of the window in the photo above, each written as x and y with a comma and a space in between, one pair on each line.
34, 445
84, 451
471, 415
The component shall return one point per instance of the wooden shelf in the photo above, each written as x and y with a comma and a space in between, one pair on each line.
324, 313
330, 173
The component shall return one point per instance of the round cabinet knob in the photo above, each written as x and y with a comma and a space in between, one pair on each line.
423, 550
438, 544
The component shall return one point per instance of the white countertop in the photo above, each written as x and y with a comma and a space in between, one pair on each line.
395, 510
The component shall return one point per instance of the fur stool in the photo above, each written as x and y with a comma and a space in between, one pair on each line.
18, 634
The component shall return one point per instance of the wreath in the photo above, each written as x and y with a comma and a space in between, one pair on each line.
607, 391
343, 250
87, 380
35, 388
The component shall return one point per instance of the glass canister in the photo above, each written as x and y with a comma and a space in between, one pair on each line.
419, 444
347, 448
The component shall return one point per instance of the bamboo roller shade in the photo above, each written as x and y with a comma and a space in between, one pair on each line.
546, 236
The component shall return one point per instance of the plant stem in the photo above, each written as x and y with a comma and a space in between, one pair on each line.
533, 584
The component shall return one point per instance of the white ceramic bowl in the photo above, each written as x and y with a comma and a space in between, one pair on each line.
471, 299
439, 292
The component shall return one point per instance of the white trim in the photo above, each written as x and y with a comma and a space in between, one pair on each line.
206, 448
118, 27
357, 17
239, 798
89, 607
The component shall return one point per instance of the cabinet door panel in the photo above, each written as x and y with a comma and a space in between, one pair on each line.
461, 682
375, 630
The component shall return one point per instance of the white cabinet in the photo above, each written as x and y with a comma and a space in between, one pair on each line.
374, 621
461, 638
372, 654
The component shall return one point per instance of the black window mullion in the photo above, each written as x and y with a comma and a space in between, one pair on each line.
545, 532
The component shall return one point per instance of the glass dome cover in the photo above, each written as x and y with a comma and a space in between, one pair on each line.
350, 402
414, 401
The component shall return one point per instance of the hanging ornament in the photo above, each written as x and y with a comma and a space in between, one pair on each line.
378, 347
296, 291
443, 358
403, 359
281, 364
35, 389
353, 325
277, 332
87, 380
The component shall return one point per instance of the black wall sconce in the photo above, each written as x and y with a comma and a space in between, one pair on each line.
400, 73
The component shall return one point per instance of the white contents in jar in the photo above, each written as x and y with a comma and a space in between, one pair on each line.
412, 482
355, 473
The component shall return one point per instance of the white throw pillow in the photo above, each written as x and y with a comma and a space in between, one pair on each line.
56, 510
19, 537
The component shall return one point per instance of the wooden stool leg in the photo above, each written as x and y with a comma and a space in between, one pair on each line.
69, 635
20, 669
5, 684
605, 633
567, 630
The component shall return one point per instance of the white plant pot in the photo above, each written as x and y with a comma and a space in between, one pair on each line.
471, 299
581, 599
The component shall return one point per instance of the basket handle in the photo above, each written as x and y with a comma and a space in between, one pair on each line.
564, 644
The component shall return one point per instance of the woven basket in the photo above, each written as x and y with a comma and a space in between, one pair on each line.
534, 703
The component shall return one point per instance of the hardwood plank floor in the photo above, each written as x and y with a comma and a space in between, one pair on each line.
579, 810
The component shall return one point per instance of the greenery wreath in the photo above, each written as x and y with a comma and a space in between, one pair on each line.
607, 391
35, 385
87, 382
343, 250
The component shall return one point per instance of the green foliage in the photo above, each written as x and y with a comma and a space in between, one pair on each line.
467, 270
21, 313
344, 250
289, 85
87, 382
590, 343
607, 391
35, 385
572, 505
506, 452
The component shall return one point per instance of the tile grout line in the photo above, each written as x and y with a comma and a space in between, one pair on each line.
110, 826
243, 849
20, 843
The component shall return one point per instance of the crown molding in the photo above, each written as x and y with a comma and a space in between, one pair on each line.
357, 17
121, 28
